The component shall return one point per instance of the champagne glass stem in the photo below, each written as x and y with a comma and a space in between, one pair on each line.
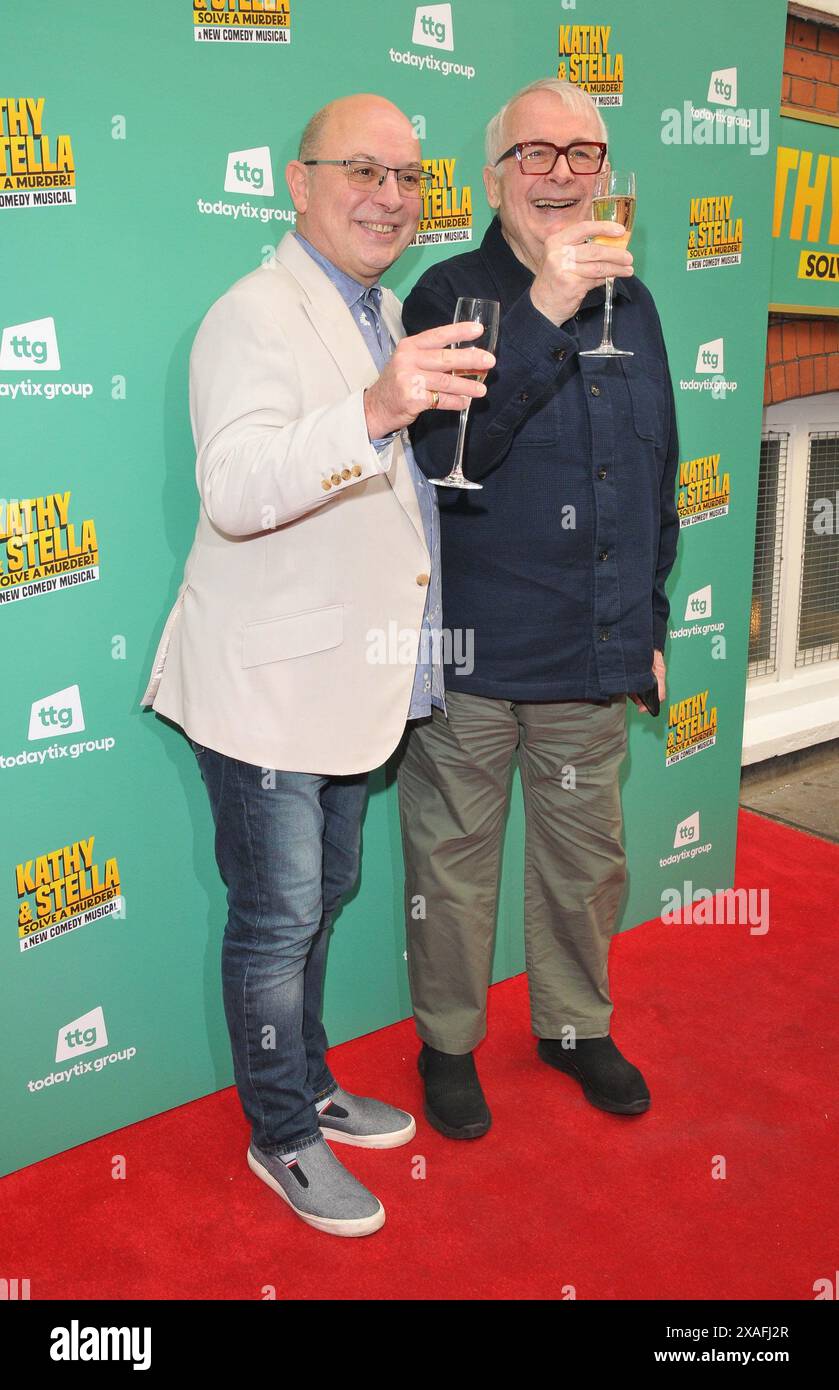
457, 466
607, 313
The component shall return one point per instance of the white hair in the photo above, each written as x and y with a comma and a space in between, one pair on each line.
571, 96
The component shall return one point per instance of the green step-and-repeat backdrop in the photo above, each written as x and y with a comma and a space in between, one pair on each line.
142, 150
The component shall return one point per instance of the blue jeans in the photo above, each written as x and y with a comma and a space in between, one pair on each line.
287, 846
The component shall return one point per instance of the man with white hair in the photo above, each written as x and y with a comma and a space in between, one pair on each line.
557, 570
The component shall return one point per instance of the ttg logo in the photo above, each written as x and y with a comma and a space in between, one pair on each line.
85, 1034
433, 27
687, 832
60, 713
30, 347
249, 171
698, 605
710, 357
722, 89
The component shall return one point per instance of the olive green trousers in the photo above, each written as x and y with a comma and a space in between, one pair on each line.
454, 779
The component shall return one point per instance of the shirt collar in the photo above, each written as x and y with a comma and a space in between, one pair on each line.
350, 290
513, 277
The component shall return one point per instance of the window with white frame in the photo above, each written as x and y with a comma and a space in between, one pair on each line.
792, 697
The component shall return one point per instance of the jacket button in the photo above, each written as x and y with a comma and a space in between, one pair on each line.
558, 354
523, 397
356, 470
345, 473
595, 390
604, 634
422, 580
604, 555
326, 485
601, 473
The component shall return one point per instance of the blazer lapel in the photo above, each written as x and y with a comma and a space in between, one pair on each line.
400, 475
339, 334
392, 315
329, 315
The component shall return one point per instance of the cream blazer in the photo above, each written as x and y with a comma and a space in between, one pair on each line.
309, 557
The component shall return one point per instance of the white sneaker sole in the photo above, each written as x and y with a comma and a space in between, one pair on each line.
371, 1141
333, 1226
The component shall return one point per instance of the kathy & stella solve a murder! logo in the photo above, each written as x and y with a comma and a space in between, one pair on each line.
42, 550
64, 889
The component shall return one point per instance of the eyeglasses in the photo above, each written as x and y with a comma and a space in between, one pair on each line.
540, 156
412, 182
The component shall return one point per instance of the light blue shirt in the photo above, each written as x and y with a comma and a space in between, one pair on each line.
365, 306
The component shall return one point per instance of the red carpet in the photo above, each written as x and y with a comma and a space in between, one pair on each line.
736, 1035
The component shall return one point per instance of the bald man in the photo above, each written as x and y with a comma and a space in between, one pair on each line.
316, 532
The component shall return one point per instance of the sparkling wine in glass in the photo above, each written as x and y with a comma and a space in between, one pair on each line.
613, 201
485, 312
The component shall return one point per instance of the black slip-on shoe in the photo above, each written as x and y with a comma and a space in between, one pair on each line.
608, 1080
454, 1101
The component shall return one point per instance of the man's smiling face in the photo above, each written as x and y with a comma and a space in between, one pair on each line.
532, 208
363, 231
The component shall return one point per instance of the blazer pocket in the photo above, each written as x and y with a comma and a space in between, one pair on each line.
298, 634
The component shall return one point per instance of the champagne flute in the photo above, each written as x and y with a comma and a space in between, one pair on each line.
613, 201
486, 312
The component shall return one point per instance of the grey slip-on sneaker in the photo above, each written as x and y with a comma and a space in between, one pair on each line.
320, 1190
369, 1124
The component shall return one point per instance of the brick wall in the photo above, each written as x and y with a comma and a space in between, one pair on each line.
802, 353
811, 67
802, 358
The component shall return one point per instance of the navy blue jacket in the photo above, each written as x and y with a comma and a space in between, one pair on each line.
558, 565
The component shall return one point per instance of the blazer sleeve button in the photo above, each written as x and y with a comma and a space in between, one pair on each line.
325, 484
